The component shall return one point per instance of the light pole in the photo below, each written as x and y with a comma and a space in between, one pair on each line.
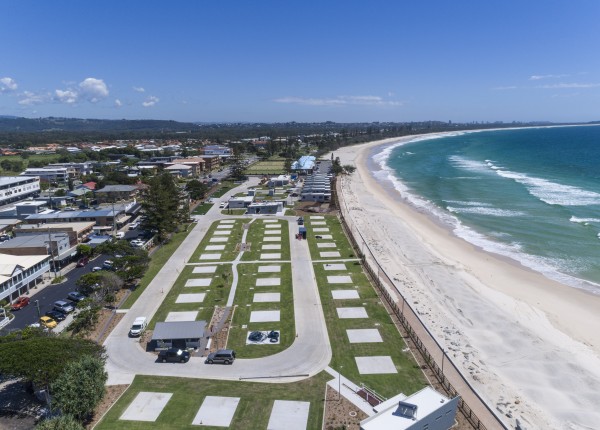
340, 384
37, 306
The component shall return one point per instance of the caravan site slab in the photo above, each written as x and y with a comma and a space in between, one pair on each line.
335, 266
270, 247
222, 232
273, 226
289, 415
210, 256
321, 230
146, 406
344, 294
269, 269
190, 298
318, 223
272, 239
329, 254
266, 297
270, 256
269, 221
268, 282
273, 232
339, 279
375, 365
364, 335
205, 269
216, 411
218, 239
317, 217
264, 316
326, 245
225, 226
227, 221
199, 282
326, 236
214, 248
181, 316
352, 313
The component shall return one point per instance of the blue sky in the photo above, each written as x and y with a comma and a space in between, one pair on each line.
322, 60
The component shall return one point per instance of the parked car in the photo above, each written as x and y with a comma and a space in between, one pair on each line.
108, 264
75, 296
138, 326
120, 235
174, 355
96, 269
222, 205
225, 356
48, 322
56, 315
63, 306
20, 303
134, 225
83, 261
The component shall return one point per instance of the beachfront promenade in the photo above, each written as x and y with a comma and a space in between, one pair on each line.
309, 354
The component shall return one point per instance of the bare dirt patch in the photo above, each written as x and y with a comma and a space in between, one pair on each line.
113, 392
340, 413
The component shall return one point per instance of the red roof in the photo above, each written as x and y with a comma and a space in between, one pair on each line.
90, 185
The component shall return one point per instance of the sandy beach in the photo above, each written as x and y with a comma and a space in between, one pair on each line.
529, 345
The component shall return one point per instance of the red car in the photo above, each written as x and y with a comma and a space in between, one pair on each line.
20, 303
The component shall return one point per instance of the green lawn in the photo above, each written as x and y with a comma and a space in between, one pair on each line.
256, 236
229, 253
202, 208
252, 413
339, 238
157, 261
272, 166
244, 297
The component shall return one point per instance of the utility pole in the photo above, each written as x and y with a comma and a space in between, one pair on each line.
51, 250
37, 306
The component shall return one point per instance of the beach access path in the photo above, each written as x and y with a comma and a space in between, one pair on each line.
528, 345
309, 354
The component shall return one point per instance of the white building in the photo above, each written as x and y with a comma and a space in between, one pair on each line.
16, 188
425, 409
18, 273
59, 175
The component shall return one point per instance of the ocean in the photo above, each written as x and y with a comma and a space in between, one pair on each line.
532, 194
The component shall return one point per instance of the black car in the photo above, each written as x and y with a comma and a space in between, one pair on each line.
56, 315
174, 355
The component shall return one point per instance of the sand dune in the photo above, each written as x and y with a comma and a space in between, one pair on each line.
529, 345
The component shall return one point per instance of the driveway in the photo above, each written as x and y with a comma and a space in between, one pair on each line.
308, 355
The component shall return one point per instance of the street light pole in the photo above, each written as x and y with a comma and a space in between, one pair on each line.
340, 384
37, 306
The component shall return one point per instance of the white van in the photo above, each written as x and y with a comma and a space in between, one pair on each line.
138, 327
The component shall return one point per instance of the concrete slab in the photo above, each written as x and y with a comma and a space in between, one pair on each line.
326, 245
218, 239
269, 269
265, 341
339, 279
270, 221
225, 226
352, 313
272, 232
190, 298
289, 415
214, 248
216, 411
205, 269
227, 221
317, 217
326, 236
199, 282
375, 365
146, 406
364, 335
321, 230
270, 247
273, 226
210, 256
266, 297
264, 316
222, 232
340, 266
318, 223
329, 254
272, 256
344, 294
272, 239
268, 282
181, 316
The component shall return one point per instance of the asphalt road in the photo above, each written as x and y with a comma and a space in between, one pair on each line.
48, 295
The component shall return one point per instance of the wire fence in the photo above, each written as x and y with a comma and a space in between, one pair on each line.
432, 352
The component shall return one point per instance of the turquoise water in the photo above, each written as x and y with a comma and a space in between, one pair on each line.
530, 194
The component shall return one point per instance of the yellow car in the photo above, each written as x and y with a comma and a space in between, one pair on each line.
47, 322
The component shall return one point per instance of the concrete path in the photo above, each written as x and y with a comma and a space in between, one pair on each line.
308, 355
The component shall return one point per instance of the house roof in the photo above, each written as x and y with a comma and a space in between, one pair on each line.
179, 330
9, 263
178, 167
117, 189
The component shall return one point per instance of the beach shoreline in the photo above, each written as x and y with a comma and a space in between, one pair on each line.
511, 330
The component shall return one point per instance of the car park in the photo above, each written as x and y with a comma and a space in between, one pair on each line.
225, 356
174, 355
75, 296
20, 303
56, 315
47, 322
63, 306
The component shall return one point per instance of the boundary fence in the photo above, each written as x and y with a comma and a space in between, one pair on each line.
473, 407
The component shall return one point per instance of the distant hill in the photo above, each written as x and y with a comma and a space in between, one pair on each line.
12, 124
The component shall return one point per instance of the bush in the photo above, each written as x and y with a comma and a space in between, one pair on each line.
63, 422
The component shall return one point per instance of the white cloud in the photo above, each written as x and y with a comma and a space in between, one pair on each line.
118, 103
139, 89
569, 85
539, 77
150, 101
93, 90
27, 98
340, 101
7, 84
67, 96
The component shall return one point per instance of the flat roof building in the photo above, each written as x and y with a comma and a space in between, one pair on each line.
18, 273
17, 188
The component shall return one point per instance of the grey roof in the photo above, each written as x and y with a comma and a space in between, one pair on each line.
179, 330
29, 240
75, 214
117, 189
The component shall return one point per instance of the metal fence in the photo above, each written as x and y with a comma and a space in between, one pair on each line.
431, 351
